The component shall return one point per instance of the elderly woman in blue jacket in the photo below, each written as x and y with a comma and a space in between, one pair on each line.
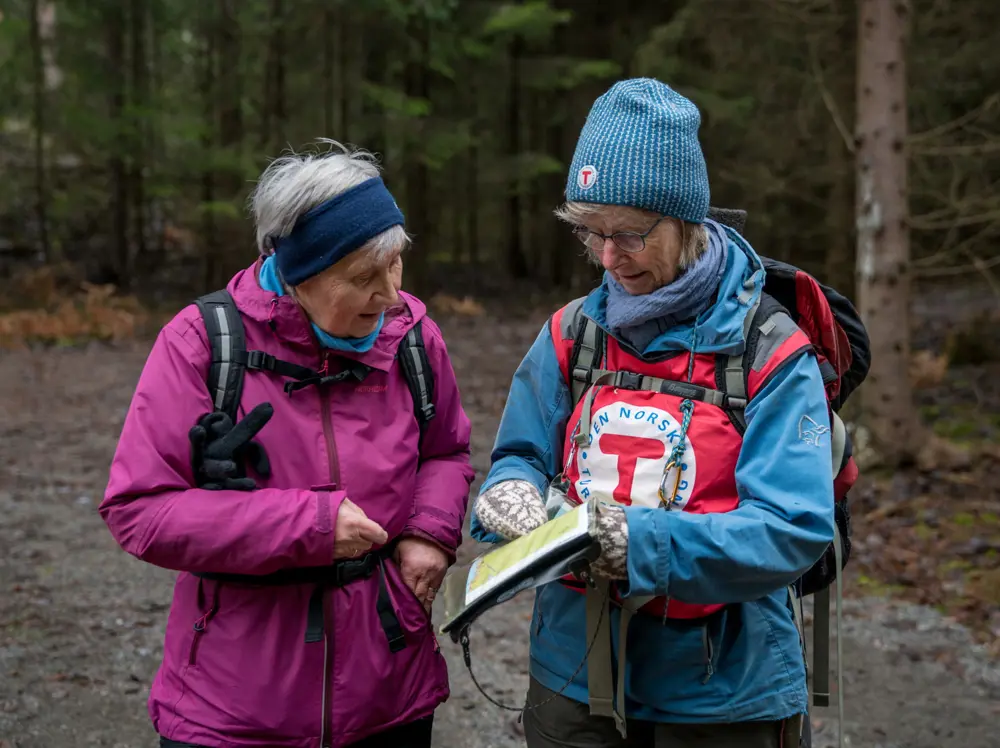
709, 505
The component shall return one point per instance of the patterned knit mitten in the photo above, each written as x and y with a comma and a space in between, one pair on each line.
511, 508
612, 533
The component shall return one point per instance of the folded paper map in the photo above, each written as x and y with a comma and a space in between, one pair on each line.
496, 576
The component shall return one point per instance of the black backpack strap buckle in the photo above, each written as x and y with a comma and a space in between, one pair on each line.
628, 380
260, 361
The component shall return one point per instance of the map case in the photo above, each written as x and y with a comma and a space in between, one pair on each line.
552, 550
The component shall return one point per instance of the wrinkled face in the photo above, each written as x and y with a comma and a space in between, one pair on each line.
347, 298
638, 272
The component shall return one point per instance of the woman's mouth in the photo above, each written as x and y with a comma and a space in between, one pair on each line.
630, 276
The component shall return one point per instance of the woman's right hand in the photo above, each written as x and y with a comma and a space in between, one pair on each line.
355, 533
511, 508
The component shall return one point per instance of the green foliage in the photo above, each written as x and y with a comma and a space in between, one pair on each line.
393, 101
534, 20
430, 86
569, 73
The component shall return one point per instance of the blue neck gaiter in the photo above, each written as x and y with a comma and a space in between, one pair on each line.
270, 281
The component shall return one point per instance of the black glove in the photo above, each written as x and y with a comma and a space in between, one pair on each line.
220, 450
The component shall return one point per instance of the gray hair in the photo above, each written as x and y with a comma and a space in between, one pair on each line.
293, 184
693, 235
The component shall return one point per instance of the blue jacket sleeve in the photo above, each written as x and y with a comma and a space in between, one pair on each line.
784, 521
528, 445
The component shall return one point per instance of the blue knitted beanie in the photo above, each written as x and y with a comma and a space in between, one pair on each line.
639, 147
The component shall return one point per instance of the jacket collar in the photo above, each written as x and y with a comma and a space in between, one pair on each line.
286, 320
719, 329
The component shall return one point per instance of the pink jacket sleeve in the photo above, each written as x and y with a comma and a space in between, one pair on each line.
154, 513
445, 471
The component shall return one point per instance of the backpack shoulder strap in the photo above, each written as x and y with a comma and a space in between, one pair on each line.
418, 374
589, 342
579, 345
588, 351
227, 340
766, 328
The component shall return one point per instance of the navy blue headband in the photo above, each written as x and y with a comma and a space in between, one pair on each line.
333, 229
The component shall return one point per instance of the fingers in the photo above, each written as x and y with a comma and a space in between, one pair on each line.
372, 532
356, 533
198, 435
217, 424
218, 469
421, 588
419, 582
246, 429
258, 459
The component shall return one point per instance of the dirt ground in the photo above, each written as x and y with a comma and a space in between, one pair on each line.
81, 622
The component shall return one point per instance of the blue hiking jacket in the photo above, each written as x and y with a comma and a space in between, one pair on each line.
745, 663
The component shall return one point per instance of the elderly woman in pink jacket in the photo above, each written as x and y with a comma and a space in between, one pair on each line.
297, 451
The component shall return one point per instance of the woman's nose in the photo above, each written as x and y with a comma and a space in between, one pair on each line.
609, 254
388, 291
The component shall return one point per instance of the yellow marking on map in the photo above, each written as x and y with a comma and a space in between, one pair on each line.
496, 562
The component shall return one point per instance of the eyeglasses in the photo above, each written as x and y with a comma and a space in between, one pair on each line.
626, 241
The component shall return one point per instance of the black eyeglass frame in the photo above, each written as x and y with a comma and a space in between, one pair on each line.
585, 235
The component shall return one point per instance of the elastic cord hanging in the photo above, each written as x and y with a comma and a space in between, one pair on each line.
467, 656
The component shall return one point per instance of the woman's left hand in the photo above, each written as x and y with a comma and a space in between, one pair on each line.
423, 565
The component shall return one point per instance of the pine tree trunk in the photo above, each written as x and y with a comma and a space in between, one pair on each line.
418, 219
517, 266
883, 253
274, 115
38, 84
138, 133
346, 65
210, 244
122, 261
329, 25
840, 250
233, 239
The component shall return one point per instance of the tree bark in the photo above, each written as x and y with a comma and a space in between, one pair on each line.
138, 130
517, 265
210, 248
38, 85
417, 177
274, 115
346, 68
840, 252
883, 252
122, 262
329, 24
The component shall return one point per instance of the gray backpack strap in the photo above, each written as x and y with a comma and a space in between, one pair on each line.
589, 343
766, 327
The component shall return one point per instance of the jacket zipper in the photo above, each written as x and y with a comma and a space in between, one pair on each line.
334, 462
202, 623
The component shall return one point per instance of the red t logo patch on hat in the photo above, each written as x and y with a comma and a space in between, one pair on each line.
587, 177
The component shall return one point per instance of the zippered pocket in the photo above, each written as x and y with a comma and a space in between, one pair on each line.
712, 633
200, 625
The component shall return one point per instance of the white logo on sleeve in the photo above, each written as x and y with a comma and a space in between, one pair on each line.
586, 177
811, 432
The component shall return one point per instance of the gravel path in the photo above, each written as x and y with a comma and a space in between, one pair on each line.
81, 623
